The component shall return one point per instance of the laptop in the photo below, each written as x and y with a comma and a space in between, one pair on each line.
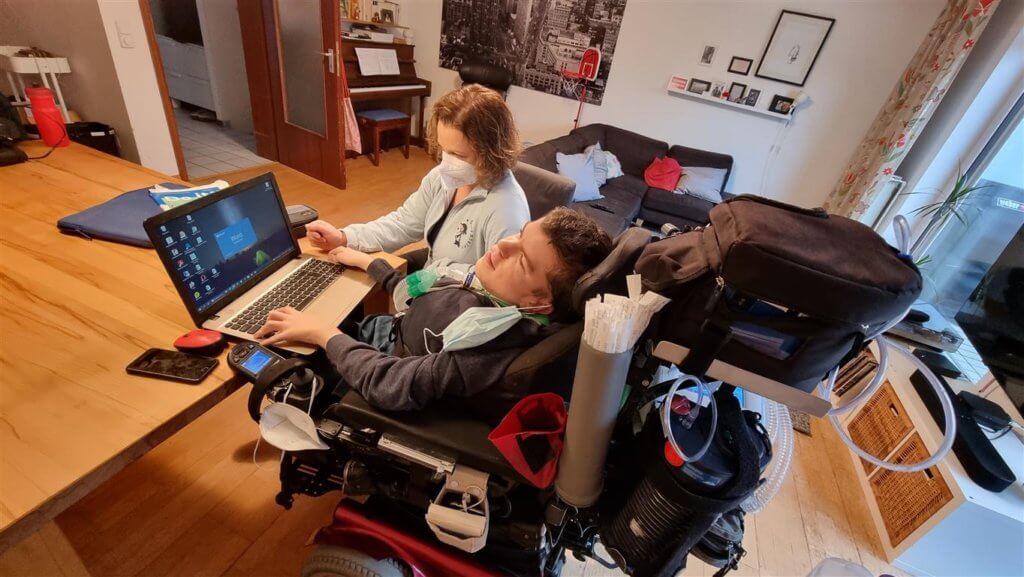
233, 259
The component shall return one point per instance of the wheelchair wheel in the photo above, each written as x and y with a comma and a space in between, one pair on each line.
334, 561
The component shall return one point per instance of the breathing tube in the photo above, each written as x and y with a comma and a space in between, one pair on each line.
779, 426
902, 230
666, 416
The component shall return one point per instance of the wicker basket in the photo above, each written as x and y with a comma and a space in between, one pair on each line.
880, 425
907, 500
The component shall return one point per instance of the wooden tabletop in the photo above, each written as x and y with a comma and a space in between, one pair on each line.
74, 313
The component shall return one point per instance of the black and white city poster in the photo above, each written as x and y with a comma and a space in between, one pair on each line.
535, 39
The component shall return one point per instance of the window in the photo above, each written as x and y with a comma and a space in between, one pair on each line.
964, 248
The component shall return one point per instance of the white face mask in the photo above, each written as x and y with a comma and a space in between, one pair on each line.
476, 326
456, 172
289, 428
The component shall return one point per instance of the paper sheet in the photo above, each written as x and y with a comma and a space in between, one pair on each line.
377, 61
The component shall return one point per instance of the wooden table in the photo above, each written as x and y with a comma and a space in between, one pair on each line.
74, 314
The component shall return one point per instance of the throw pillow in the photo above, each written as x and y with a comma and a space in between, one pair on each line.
600, 162
614, 166
662, 173
580, 168
703, 182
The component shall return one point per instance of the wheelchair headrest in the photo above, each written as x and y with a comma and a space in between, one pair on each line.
610, 275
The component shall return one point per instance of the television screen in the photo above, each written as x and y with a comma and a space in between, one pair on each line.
993, 318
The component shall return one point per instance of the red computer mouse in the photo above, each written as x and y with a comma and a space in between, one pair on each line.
201, 342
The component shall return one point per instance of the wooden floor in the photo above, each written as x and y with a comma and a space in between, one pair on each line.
202, 504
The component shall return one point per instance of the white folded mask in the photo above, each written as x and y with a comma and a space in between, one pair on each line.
289, 428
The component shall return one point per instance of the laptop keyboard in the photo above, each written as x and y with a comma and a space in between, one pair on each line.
297, 291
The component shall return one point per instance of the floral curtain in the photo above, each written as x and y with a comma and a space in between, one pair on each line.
911, 104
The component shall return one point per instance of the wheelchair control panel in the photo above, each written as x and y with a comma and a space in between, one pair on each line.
252, 360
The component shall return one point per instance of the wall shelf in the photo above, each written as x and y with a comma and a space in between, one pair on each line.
733, 105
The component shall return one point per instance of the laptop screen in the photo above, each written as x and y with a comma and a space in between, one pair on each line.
216, 248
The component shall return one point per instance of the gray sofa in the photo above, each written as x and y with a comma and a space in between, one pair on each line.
628, 197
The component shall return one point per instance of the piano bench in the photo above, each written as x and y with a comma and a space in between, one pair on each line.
377, 121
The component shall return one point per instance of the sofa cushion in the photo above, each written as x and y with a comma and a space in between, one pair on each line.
544, 190
634, 151
702, 181
695, 157
628, 183
610, 222
580, 169
684, 205
543, 154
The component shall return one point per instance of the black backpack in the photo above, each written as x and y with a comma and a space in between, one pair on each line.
791, 292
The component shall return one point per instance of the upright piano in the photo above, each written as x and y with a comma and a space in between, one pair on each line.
391, 91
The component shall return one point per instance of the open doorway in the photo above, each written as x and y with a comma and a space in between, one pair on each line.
200, 49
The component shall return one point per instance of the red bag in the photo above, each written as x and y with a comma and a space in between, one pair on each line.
663, 173
530, 437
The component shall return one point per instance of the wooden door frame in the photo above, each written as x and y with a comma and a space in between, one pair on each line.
161, 81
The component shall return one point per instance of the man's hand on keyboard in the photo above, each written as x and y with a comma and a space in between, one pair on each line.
351, 257
325, 236
288, 324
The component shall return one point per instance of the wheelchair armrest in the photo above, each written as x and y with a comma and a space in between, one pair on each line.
437, 427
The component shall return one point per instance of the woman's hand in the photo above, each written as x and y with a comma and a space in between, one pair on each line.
325, 236
351, 257
288, 324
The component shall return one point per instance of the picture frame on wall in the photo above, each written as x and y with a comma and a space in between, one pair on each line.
718, 88
698, 86
794, 47
781, 104
740, 65
751, 98
736, 91
707, 55
678, 83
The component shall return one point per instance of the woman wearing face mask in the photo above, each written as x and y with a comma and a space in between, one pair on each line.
465, 204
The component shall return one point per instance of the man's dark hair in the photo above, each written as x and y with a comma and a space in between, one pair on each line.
581, 245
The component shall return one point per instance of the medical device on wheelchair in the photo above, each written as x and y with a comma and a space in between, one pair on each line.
658, 448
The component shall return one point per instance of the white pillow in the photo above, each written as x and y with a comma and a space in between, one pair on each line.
579, 168
600, 162
702, 181
614, 166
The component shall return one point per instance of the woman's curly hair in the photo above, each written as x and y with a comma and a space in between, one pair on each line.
486, 121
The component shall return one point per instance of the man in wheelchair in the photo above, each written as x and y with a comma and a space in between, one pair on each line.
458, 338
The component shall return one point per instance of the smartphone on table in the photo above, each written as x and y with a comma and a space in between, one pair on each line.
172, 365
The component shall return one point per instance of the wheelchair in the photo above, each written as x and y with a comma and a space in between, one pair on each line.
427, 493
430, 494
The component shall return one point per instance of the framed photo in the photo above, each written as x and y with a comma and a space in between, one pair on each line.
781, 104
739, 65
387, 16
736, 91
677, 83
698, 86
718, 88
794, 47
752, 96
707, 56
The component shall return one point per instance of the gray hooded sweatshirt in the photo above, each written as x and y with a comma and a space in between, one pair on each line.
470, 229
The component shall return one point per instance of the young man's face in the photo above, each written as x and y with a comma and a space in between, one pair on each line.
516, 269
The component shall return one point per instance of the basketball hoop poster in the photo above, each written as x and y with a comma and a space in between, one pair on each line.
561, 47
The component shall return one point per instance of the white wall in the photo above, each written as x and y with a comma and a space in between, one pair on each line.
126, 37
91, 89
870, 44
222, 42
